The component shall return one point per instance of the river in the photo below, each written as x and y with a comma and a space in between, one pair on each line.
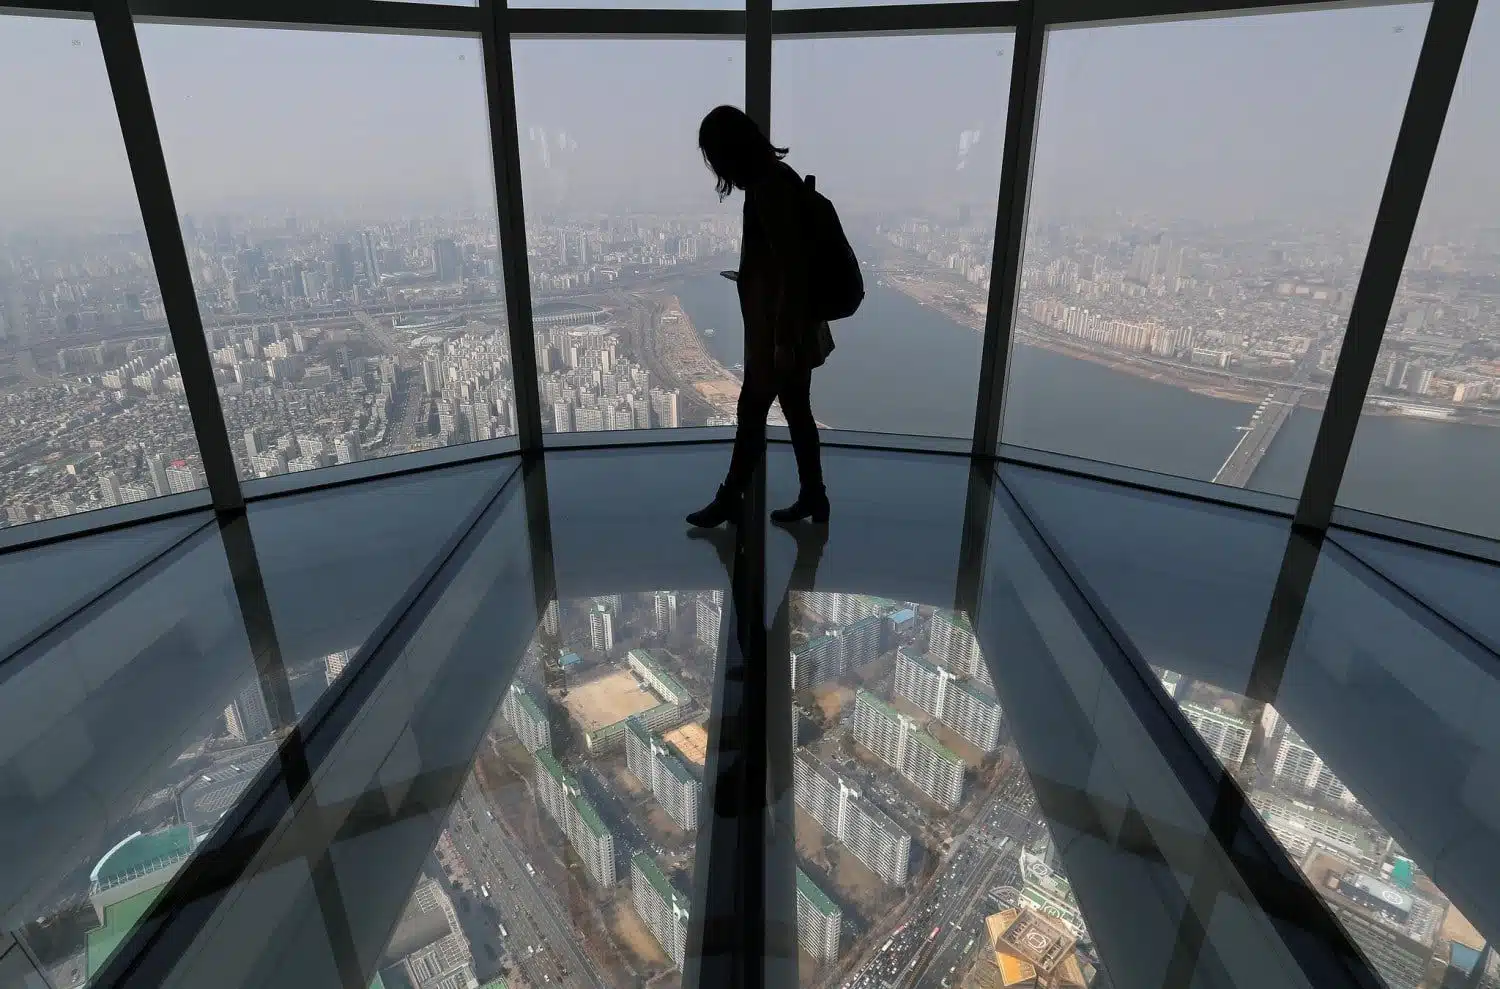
902, 367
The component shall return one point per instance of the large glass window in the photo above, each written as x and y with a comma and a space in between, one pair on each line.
345, 257
905, 136
1197, 226
91, 401
1427, 447
625, 236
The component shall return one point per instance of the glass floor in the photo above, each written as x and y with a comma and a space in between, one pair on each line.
513, 724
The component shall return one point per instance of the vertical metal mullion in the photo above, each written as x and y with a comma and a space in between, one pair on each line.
1010, 227
1411, 164
500, 93
758, 62
148, 168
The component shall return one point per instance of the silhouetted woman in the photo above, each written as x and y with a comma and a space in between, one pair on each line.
783, 342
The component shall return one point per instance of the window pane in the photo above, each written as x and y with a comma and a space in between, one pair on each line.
624, 231
912, 160
1427, 448
1198, 223
345, 259
91, 402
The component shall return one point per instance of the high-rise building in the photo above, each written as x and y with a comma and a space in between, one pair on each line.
445, 260
664, 773
183, 476
973, 713
335, 663
844, 813
1227, 735
428, 944
953, 644
818, 661
246, 718
343, 266
1297, 765
709, 615
664, 605
109, 489
551, 617
1396, 929
601, 628
255, 441
659, 904
156, 464
370, 257
928, 764
664, 408
819, 920
576, 816
523, 713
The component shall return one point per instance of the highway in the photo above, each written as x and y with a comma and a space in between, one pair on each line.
530, 911
982, 857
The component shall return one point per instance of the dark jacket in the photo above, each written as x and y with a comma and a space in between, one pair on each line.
774, 270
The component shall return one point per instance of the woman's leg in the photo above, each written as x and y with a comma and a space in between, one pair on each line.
796, 401
756, 396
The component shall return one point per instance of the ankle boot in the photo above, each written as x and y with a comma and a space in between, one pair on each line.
810, 504
724, 508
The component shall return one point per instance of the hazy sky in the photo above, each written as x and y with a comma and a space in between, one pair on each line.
1285, 115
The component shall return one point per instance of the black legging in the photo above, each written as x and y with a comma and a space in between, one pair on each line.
761, 388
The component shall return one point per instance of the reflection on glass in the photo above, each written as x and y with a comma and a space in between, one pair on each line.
568, 858
911, 158
346, 263
92, 403
105, 806
1197, 229
624, 232
922, 857
1427, 445
1393, 911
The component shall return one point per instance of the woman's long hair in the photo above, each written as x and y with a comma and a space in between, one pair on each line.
734, 148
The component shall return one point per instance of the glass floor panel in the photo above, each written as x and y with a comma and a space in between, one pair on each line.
48, 583
1462, 590
1021, 729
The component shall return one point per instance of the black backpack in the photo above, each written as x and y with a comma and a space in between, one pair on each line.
836, 287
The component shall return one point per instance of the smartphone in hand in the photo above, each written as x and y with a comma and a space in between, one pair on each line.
733, 276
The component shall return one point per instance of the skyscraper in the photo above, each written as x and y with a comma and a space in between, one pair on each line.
710, 615
528, 717
658, 903
664, 773
664, 604
371, 259
109, 489
601, 629
576, 816
156, 464
335, 663
445, 260
246, 718
1227, 735
343, 266
924, 761
844, 813
819, 920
